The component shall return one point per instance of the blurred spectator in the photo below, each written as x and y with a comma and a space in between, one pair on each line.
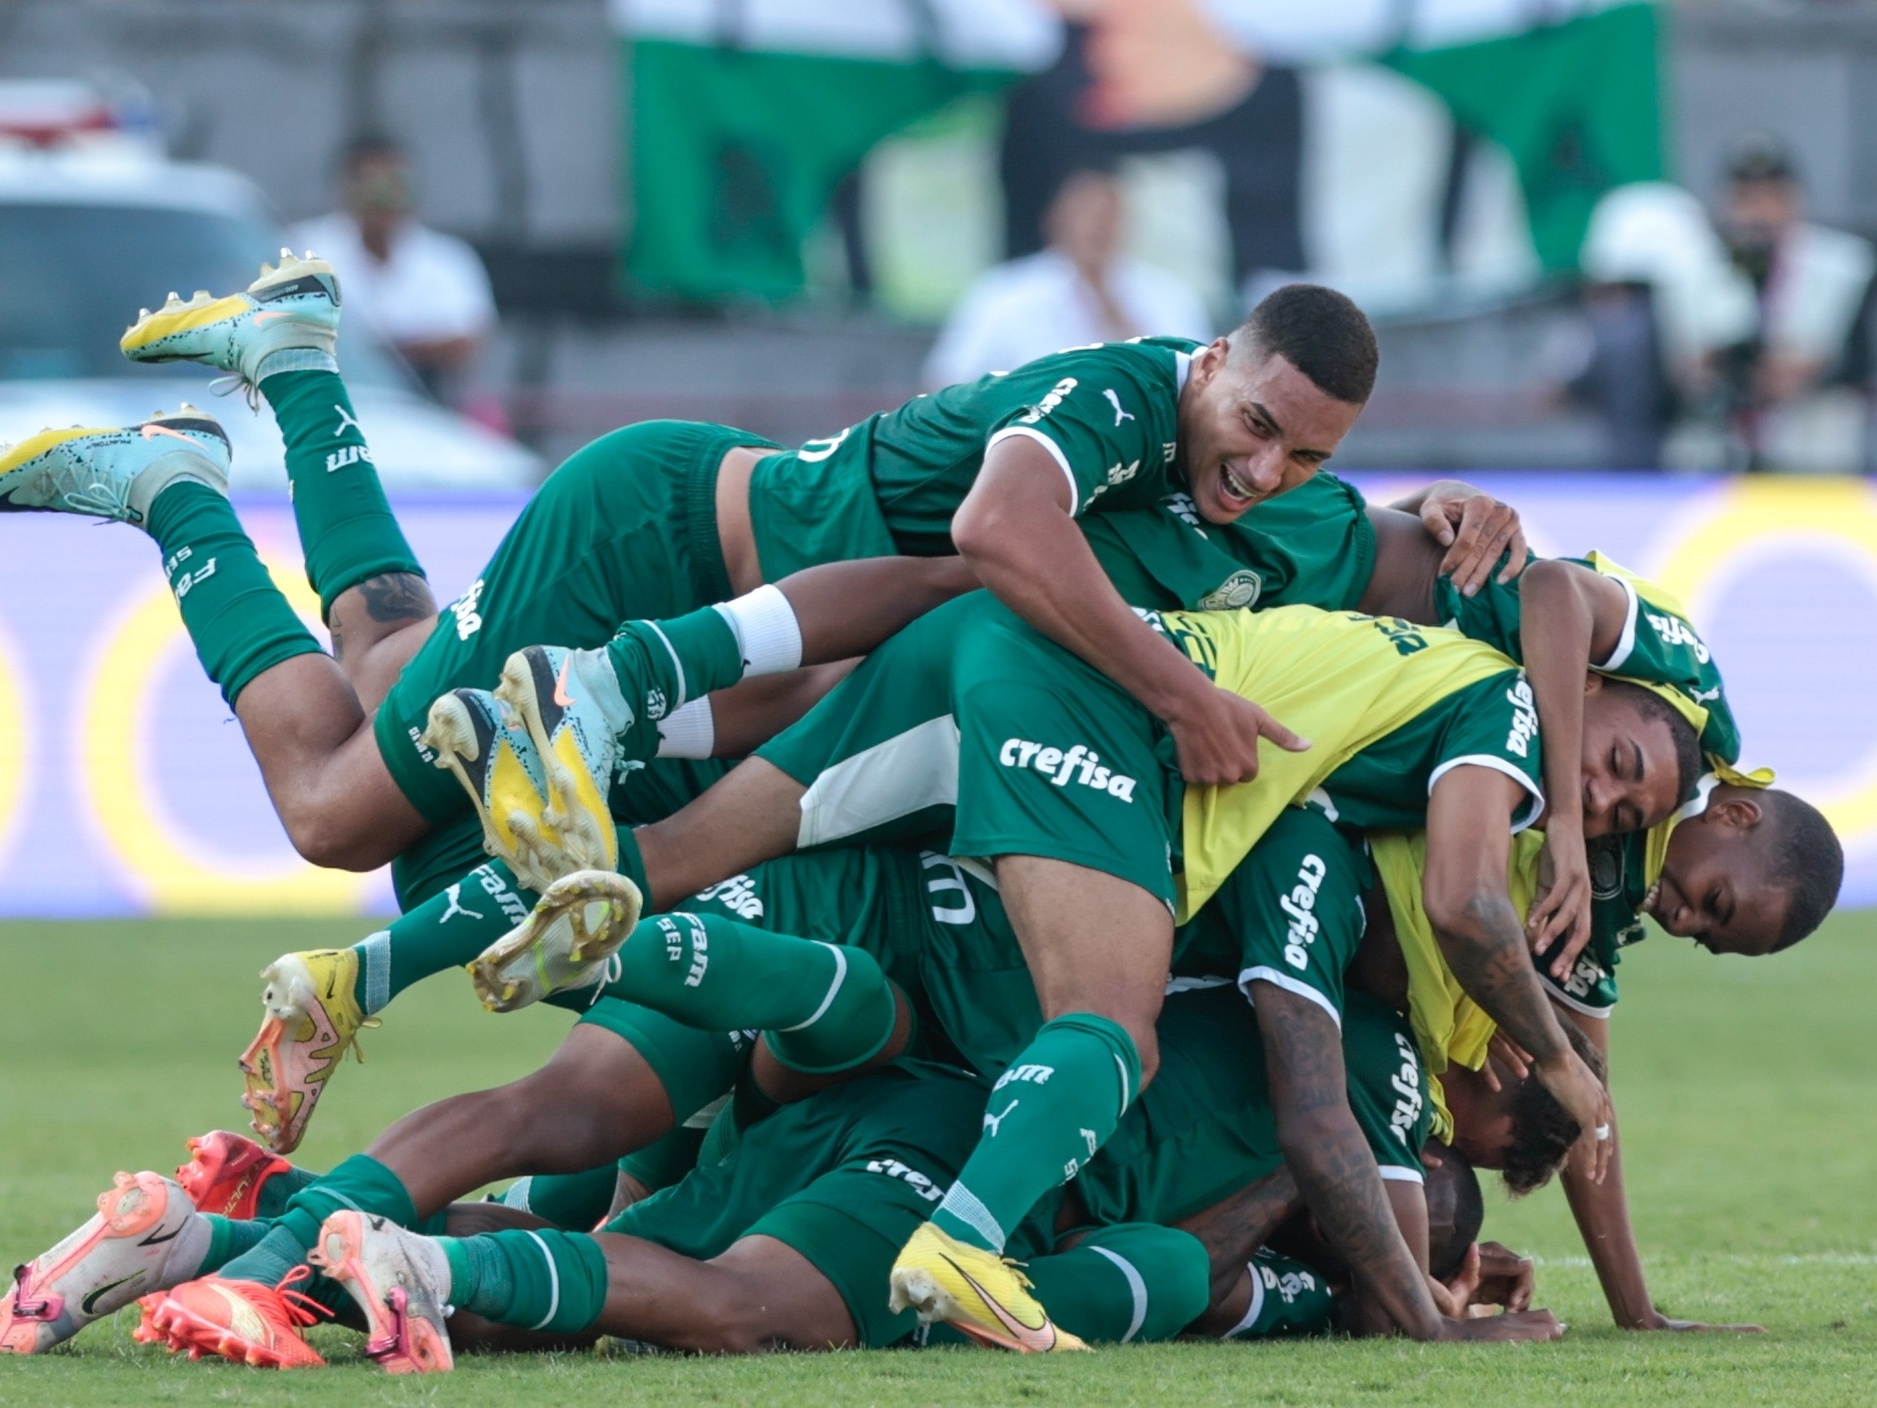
1662, 306
1078, 290
420, 291
1799, 408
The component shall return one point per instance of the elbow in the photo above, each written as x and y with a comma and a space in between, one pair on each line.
978, 529
1448, 903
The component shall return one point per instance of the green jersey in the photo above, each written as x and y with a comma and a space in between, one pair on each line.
1205, 1128
1492, 724
1658, 645
1108, 415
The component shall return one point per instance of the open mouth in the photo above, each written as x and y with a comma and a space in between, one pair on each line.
1232, 489
1654, 897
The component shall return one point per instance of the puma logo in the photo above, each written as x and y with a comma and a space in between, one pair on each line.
991, 1122
455, 894
1115, 401
345, 419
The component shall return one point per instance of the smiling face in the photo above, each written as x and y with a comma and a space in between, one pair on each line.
1632, 778
1252, 426
1713, 887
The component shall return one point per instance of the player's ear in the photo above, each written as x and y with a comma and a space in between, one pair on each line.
1593, 684
1736, 813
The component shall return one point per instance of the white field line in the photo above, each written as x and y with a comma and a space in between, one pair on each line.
1733, 1258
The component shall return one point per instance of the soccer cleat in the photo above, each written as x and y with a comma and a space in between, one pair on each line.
225, 1173
978, 1293
114, 472
574, 727
291, 309
117, 1256
401, 1282
239, 1320
312, 1020
577, 925
479, 738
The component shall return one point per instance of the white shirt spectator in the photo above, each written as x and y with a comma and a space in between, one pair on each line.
1040, 304
432, 288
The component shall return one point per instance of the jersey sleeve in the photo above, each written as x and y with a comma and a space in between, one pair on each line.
1496, 726
1294, 908
1388, 1092
1658, 646
1111, 428
1617, 889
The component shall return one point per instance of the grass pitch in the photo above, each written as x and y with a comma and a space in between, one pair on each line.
1750, 1134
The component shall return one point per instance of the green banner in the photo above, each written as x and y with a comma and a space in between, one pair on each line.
1576, 104
735, 155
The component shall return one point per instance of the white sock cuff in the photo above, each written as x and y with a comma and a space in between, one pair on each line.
688, 732
766, 630
374, 955
963, 1204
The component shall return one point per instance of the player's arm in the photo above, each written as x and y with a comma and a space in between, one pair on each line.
1017, 532
1569, 617
1602, 1214
845, 609
1231, 1230
1335, 1171
1465, 894
1475, 528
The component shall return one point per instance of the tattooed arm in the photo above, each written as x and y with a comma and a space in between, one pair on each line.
1468, 904
1231, 1230
1328, 1156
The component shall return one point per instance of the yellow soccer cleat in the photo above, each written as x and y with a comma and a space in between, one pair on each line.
976, 1292
579, 922
479, 737
288, 318
312, 1020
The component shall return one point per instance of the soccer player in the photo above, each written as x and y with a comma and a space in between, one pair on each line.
1744, 868
832, 1180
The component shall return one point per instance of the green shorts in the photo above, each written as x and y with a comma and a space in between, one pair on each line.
1057, 760
1290, 915
912, 747
695, 1067
806, 509
844, 1178
624, 529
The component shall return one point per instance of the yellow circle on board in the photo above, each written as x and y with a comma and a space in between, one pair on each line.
1755, 521
176, 877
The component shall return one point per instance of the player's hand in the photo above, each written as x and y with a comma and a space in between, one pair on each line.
1576, 1087
1217, 737
1476, 529
1563, 910
1513, 1325
1508, 1053
1658, 1321
1504, 1277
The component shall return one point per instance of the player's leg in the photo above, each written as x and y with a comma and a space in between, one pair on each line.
1061, 783
1130, 1283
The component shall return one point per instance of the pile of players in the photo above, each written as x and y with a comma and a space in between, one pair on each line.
1045, 866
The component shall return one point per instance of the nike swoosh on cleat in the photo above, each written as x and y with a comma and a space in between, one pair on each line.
150, 432
90, 1303
1031, 1337
260, 318
560, 684
156, 1239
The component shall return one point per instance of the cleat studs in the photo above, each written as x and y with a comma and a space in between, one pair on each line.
173, 299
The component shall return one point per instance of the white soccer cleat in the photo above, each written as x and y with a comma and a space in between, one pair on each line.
143, 1221
401, 1282
579, 923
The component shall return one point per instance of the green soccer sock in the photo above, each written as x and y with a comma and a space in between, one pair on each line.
361, 1183
277, 1190
652, 669
229, 1238
1132, 1281
823, 1007
239, 621
445, 931
577, 1202
1287, 1298
347, 530
537, 1280
1047, 1115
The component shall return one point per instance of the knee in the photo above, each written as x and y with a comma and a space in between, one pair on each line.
331, 844
735, 1317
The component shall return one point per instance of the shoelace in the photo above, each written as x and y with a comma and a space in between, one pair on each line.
300, 1309
234, 381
